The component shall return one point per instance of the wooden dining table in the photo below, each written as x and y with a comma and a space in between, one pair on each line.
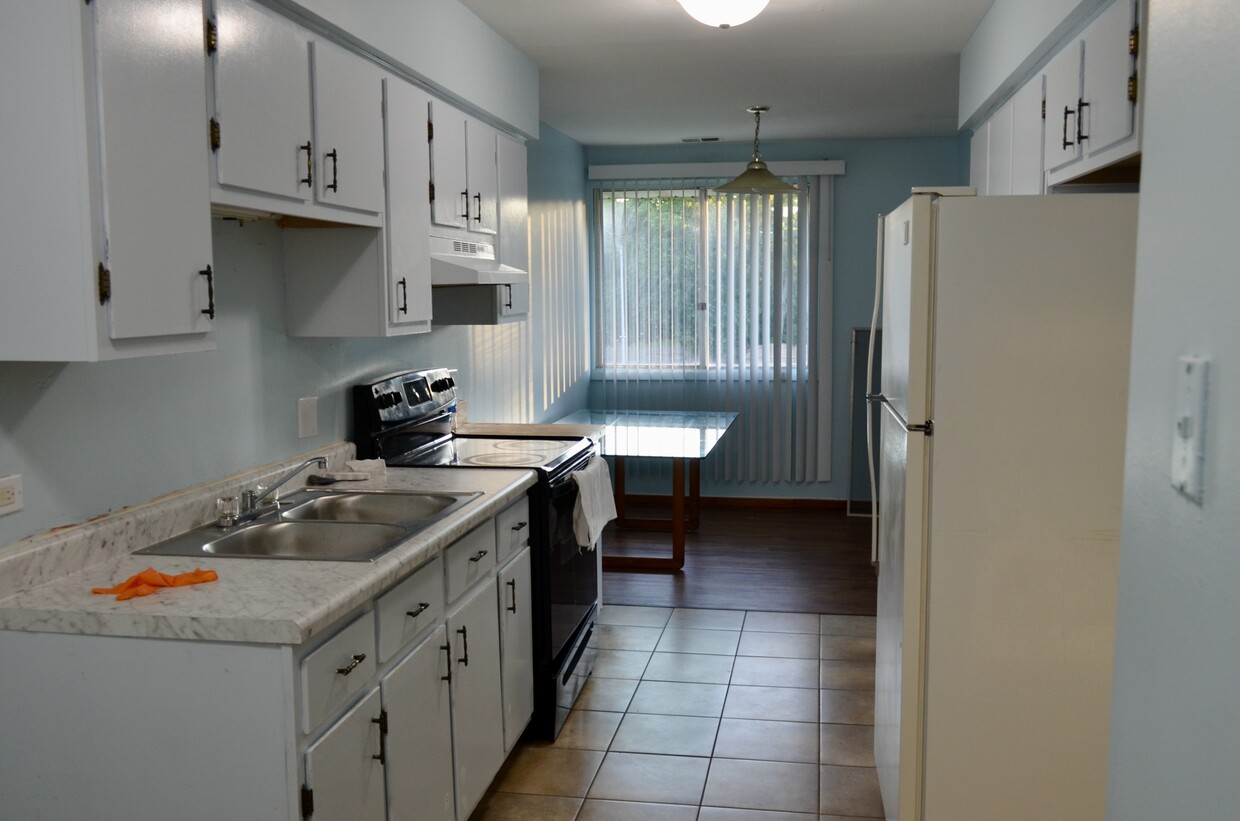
684, 438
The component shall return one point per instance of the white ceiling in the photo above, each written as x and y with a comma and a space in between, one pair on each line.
642, 72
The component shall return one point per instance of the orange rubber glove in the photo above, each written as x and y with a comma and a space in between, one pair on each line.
150, 580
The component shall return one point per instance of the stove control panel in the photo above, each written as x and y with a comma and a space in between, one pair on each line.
405, 396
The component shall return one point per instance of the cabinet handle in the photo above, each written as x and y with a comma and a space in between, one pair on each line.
465, 199
513, 584
1066, 112
520, 526
382, 721
309, 178
447, 649
404, 295
1080, 104
464, 659
478, 213
331, 155
413, 614
477, 557
210, 309
508, 304
358, 658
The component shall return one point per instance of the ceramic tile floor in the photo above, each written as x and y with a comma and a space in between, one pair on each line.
709, 715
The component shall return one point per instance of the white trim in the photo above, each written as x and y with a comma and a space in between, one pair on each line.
708, 170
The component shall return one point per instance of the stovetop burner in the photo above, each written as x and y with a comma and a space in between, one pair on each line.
462, 451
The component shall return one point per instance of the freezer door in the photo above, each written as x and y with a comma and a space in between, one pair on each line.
907, 248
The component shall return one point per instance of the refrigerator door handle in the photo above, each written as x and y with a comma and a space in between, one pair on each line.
926, 427
870, 396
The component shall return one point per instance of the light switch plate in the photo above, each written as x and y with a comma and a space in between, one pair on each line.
307, 417
1188, 437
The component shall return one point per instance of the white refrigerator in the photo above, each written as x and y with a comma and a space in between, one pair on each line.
1006, 332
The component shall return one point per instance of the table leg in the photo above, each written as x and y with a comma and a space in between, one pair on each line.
676, 524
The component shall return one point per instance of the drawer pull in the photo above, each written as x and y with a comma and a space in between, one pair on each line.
512, 608
358, 658
520, 526
422, 606
477, 557
447, 649
464, 659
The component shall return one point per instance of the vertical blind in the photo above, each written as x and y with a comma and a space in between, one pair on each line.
708, 301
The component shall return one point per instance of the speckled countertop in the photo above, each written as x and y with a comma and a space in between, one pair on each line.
255, 600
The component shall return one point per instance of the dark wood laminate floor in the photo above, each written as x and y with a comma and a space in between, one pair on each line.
781, 560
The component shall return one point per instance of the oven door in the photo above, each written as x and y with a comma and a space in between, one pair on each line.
573, 570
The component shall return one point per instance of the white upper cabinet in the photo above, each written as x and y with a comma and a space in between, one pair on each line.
1027, 136
408, 207
262, 102
464, 171
1092, 96
348, 129
108, 243
483, 177
449, 180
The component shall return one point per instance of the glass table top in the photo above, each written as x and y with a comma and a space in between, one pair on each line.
666, 434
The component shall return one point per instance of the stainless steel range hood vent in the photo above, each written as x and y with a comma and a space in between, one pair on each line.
462, 262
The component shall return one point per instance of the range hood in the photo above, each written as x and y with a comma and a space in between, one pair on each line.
464, 262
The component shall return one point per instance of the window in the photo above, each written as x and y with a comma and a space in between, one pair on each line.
689, 280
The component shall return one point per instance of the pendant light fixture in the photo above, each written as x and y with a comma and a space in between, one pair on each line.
756, 178
723, 13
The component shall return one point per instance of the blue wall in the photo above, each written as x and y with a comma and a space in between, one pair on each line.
92, 437
878, 176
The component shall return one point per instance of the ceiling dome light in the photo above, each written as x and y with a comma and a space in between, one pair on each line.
723, 13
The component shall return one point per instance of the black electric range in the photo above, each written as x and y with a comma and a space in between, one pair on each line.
406, 418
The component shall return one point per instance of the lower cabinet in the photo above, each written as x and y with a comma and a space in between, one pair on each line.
416, 698
405, 709
345, 767
477, 712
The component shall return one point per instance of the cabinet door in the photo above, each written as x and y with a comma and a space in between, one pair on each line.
482, 177
344, 767
516, 646
157, 224
408, 206
1108, 117
262, 101
514, 232
450, 204
419, 749
348, 129
477, 711
979, 150
999, 155
1027, 133
1063, 96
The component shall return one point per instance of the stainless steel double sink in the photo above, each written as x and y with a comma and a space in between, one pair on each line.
321, 525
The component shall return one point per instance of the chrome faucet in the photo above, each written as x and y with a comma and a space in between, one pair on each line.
251, 499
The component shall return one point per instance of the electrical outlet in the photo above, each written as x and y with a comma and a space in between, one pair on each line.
10, 494
307, 417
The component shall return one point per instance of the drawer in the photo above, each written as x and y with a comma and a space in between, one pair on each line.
341, 666
470, 559
409, 608
512, 529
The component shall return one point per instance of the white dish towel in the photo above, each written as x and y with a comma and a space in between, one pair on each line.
596, 506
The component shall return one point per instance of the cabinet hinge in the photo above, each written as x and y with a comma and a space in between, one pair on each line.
430, 131
1132, 88
307, 801
212, 36
105, 284
1134, 41
1044, 109
215, 134
432, 187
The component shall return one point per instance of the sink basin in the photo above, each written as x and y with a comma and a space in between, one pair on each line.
363, 506
327, 541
